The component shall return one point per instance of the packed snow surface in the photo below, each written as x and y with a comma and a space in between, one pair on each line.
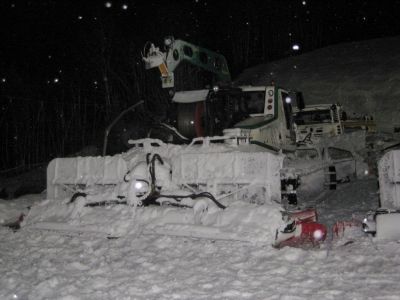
47, 265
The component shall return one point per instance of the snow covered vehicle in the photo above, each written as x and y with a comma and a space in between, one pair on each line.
235, 183
320, 166
315, 121
384, 222
264, 113
214, 188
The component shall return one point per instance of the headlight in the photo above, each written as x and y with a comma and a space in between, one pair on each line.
141, 187
138, 185
168, 41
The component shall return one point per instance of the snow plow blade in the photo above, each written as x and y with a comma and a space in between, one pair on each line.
239, 222
243, 222
76, 219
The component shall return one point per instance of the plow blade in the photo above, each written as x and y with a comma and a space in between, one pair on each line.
239, 222
75, 218
244, 222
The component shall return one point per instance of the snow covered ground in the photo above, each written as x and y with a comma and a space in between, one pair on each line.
44, 265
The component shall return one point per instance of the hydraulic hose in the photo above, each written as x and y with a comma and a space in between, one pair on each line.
195, 196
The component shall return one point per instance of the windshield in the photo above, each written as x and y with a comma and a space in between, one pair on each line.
312, 117
253, 102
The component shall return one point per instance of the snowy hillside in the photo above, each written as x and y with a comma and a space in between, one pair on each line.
363, 76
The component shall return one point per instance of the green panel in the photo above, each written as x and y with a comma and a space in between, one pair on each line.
198, 56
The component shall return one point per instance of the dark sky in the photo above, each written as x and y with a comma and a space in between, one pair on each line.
42, 38
68, 68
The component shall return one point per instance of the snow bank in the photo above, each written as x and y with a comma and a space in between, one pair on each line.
10, 210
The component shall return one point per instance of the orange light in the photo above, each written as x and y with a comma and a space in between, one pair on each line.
163, 70
269, 107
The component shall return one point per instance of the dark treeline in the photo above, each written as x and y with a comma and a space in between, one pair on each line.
67, 70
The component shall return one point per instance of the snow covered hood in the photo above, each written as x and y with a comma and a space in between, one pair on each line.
190, 96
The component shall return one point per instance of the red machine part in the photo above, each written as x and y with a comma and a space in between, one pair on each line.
344, 228
307, 235
307, 231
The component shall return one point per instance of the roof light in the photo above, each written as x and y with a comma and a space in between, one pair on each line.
168, 41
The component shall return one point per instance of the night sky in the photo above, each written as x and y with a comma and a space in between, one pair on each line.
43, 38
58, 54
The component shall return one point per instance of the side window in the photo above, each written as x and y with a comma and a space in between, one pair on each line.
336, 153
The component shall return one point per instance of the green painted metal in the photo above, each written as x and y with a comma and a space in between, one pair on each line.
206, 59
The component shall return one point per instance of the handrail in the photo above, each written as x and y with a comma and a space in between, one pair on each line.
108, 129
